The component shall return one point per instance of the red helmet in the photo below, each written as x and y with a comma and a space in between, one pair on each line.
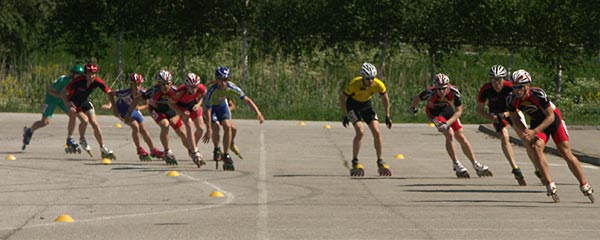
136, 78
192, 79
91, 67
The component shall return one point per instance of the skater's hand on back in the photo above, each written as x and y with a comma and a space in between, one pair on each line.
388, 122
345, 121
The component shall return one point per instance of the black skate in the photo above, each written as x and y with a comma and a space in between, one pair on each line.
217, 157
170, 158
587, 191
71, 146
27, 133
461, 171
552, 192
357, 169
227, 162
383, 169
482, 170
519, 176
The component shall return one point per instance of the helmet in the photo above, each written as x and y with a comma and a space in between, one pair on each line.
441, 79
498, 71
367, 70
192, 79
136, 78
520, 77
77, 69
222, 72
164, 76
91, 67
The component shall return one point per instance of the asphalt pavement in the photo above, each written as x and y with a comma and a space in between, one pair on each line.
291, 184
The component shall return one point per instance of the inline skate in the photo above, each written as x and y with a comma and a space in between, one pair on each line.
552, 192
170, 158
71, 146
155, 153
217, 156
227, 162
461, 171
83, 143
143, 155
519, 176
196, 157
357, 169
27, 133
107, 153
482, 170
587, 191
383, 169
236, 150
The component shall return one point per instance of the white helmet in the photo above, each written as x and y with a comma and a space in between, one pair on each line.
520, 77
192, 79
441, 79
498, 71
164, 76
367, 70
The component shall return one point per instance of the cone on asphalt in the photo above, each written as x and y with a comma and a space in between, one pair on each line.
64, 218
217, 194
172, 174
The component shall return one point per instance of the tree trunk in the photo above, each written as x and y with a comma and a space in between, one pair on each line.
183, 61
382, 61
120, 56
558, 82
245, 47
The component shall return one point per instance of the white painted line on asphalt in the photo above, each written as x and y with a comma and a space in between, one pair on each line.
583, 165
229, 198
262, 224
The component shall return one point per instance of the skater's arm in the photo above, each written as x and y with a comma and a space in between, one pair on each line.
50, 89
343, 98
254, 108
208, 123
480, 110
455, 116
132, 107
386, 105
413, 105
64, 94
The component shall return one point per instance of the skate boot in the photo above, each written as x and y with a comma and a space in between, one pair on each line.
155, 153
143, 155
519, 176
383, 168
83, 143
236, 150
552, 191
227, 162
482, 170
27, 133
461, 171
587, 191
71, 146
196, 157
217, 156
170, 158
357, 169
107, 153
541, 177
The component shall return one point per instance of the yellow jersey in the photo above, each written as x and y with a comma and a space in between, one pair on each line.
357, 90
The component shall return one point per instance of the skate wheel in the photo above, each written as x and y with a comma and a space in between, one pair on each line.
591, 197
555, 198
521, 182
463, 175
385, 172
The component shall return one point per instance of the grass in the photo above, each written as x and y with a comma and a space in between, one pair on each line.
308, 90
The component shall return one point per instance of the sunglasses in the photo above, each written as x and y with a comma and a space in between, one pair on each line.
165, 84
518, 87
497, 79
441, 88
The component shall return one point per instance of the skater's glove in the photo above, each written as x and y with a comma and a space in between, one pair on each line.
345, 121
443, 127
412, 110
388, 122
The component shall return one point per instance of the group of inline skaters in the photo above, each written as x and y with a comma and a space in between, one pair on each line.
170, 106
509, 97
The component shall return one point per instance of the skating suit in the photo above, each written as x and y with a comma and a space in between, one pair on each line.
216, 100
79, 92
442, 108
186, 101
533, 105
359, 104
124, 99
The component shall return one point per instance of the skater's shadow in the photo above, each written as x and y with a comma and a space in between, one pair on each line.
19, 152
308, 175
473, 191
455, 185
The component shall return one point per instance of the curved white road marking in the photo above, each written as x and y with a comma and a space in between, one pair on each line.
262, 223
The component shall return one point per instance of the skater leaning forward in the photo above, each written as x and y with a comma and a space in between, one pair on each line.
186, 100
545, 121
120, 106
494, 93
158, 99
76, 98
356, 106
444, 108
